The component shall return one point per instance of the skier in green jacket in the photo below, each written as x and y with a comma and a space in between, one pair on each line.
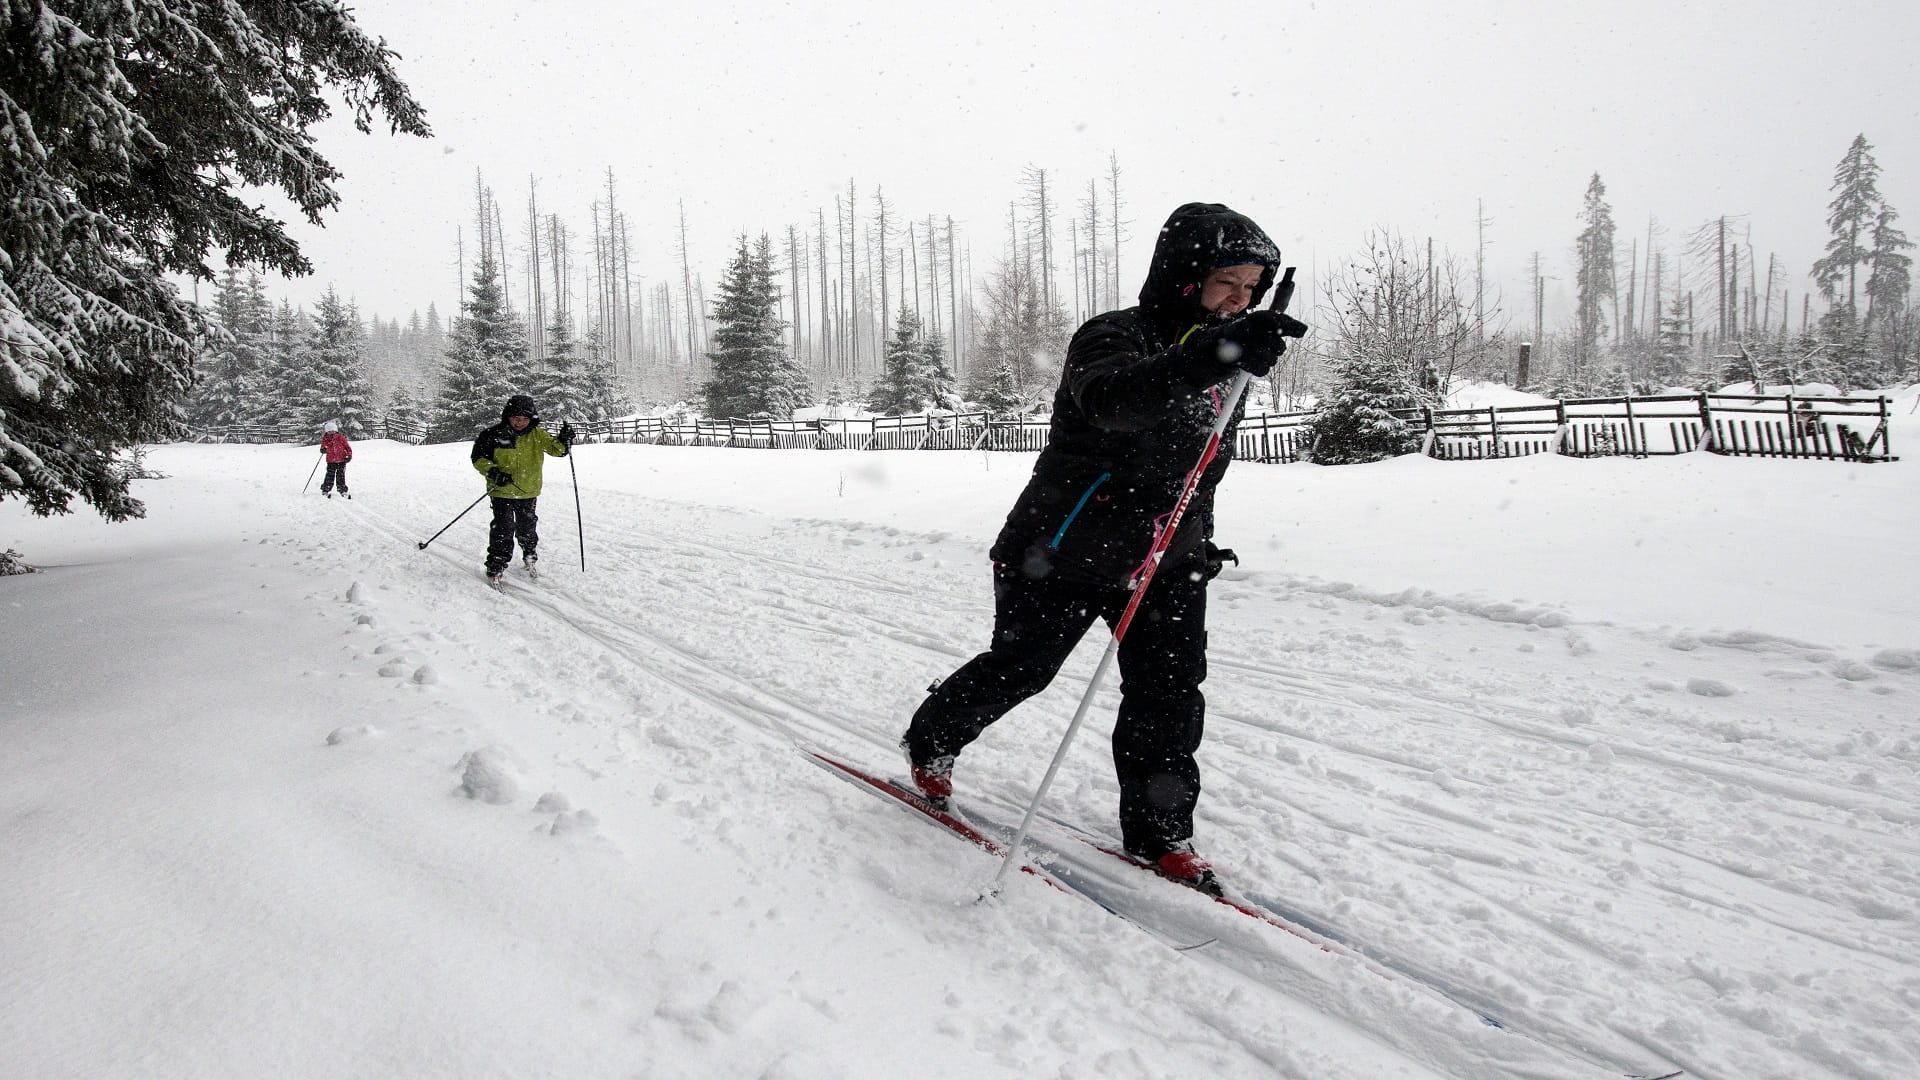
509, 455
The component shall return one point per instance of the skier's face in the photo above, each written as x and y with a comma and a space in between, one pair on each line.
519, 423
1229, 289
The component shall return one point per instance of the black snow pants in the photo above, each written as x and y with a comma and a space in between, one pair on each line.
512, 519
336, 477
1163, 660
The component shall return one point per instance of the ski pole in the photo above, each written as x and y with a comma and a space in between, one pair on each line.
576, 509
316, 468
1283, 292
423, 544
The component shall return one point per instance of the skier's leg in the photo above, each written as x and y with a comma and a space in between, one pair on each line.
500, 536
343, 478
528, 528
326, 482
1036, 624
1163, 660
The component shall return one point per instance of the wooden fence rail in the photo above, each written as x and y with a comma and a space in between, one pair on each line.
1741, 425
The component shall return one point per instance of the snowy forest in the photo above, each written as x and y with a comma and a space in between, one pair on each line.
866, 313
864, 309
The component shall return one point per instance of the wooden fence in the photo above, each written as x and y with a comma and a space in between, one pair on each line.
1741, 425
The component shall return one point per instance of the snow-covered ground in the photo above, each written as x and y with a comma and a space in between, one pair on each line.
1625, 753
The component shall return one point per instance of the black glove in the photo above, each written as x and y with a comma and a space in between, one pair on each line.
1217, 559
1253, 343
566, 435
499, 477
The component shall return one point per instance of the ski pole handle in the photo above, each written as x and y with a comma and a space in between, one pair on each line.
1282, 292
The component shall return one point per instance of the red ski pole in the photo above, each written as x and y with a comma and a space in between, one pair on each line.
1282, 294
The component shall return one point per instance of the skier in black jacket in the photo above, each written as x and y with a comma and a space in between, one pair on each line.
1139, 394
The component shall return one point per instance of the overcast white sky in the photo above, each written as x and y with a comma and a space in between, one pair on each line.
1319, 120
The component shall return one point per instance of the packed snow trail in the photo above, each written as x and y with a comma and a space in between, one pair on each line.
1656, 843
1505, 795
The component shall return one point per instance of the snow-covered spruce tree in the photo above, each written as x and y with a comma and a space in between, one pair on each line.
1850, 219
559, 376
1355, 423
1000, 393
1593, 277
486, 361
405, 420
335, 355
898, 390
1863, 348
601, 395
229, 379
753, 376
286, 384
131, 133
937, 385
1889, 283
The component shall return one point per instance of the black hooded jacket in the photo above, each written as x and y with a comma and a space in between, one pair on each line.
1132, 416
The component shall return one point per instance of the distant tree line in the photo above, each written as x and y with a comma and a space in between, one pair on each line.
1397, 324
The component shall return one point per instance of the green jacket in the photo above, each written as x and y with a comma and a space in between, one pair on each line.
518, 452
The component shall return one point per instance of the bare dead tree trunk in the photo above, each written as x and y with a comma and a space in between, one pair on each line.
1036, 179
933, 279
1730, 307
1073, 264
915, 249
953, 300
538, 346
1480, 269
793, 290
825, 329
880, 220
1766, 313
627, 307
686, 286
1113, 186
1722, 228
842, 291
500, 238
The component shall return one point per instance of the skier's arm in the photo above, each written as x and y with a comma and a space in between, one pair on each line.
482, 455
551, 446
1120, 385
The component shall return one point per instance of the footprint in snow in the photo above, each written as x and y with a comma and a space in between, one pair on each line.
353, 733
489, 775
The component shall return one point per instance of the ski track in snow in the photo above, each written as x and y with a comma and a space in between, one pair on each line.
1468, 790
1505, 800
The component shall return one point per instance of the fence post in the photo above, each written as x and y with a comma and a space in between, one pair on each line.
1707, 442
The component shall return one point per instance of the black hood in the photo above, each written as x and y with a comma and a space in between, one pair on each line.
520, 405
1197, 239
